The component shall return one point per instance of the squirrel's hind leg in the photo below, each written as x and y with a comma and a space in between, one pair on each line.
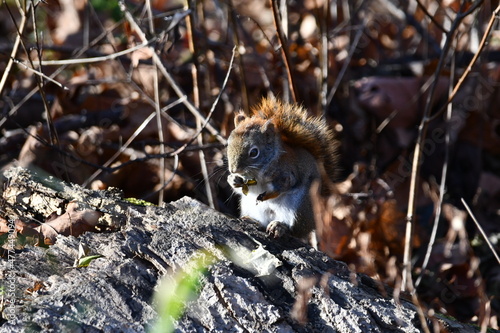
277, 229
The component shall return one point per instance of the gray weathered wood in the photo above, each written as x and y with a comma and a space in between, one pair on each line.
252, 287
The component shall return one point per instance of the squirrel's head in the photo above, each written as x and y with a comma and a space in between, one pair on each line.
251, 145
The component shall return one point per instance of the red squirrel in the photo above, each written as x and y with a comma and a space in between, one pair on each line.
274, 156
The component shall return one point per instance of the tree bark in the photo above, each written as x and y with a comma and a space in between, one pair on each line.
256, 284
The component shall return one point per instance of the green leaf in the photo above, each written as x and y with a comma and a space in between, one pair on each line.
176, 290
85, 261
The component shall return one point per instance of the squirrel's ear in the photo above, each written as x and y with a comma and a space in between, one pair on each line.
268, 127
238, 118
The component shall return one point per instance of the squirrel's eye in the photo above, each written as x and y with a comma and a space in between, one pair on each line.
253, 152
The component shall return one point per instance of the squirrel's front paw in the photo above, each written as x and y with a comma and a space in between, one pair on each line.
235, 181
276, 229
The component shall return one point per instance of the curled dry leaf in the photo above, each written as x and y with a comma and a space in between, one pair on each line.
75, 221
17, 227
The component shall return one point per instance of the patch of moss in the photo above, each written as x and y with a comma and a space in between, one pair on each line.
139, 202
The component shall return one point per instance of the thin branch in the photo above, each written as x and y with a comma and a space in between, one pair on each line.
168, 181
236, 40
97, 59
262, 72
417, 155
323, 25
53, 137
429, 15
284, 49
467, 71
160, 129
156, 98
194, 111
343, 70
48, 78
195, 69
420, 312
150, 16
14, 49
444, 173
481, 230
121, 150
214, 104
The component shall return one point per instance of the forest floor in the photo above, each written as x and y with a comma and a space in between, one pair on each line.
141, 96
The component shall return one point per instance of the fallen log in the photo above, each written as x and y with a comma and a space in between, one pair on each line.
250, 283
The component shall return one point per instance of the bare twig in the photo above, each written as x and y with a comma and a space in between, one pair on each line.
417, 155
481, 230
212, 109
429, 15
121, 150
444, 173
168, 181
150, 17
420, 312
347, 60
53, 135
175, 87
204, 170
486, 35
96, 59
284, 50
262, 73
160, 130
414, 99
196, 98
48, 78
158, 112
53, 75
13, 53
236, 40
323, 25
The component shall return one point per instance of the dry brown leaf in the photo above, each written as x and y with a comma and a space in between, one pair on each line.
67, 21
75, 221
396, 97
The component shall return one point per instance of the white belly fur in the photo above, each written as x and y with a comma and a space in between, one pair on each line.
283, 208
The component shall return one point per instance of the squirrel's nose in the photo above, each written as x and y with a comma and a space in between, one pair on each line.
235, 171
232, 168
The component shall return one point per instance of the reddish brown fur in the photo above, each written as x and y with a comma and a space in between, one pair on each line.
299, 129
